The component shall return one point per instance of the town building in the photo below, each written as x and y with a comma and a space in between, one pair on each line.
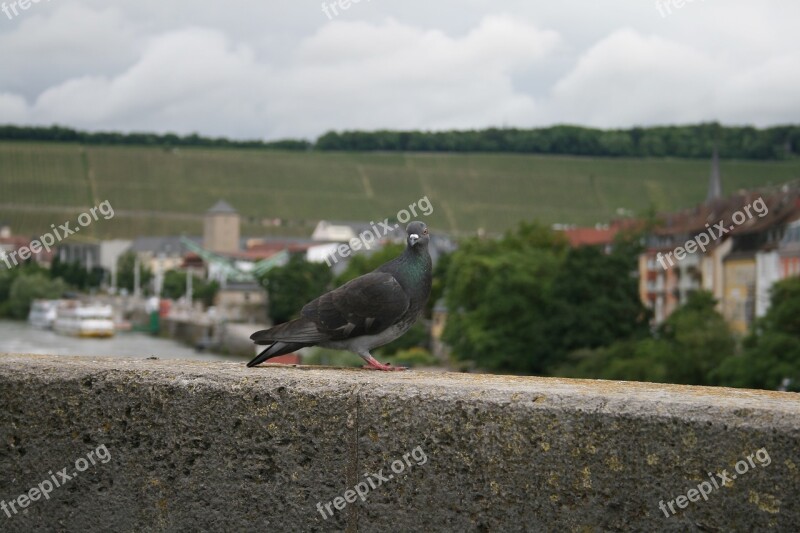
221, 229
11, 245
736, 247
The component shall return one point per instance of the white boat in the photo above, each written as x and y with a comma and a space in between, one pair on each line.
43, 313
85, 320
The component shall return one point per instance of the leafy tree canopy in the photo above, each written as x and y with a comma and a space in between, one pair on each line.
772, 352
291, 286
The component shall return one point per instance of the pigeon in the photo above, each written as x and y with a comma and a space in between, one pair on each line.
364, 313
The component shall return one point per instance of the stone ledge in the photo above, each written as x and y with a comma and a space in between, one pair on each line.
217, 446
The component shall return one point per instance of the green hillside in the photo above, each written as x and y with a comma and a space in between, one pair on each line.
165, 191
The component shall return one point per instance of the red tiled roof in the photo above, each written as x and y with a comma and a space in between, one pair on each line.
252, 255
590, 236
782, 206
266, 250
16, 241
275, 247
599, 236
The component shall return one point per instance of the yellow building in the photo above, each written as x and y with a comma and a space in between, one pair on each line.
740, 291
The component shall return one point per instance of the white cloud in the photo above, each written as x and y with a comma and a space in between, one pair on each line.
267, 69
196, 79
185, 80
360, 75
628, 78
54, 41
765, 94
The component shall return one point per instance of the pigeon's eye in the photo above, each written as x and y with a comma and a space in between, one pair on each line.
425, 231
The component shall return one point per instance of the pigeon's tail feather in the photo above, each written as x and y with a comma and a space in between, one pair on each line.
276, 349
300, 330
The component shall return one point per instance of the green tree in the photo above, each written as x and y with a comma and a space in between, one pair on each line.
76, 275
690, 345
522, 303
125, 275
700, 340
29, 287
499, 296
291, 286
772, 351
627, 360
206, 292
174, 287
7, 277
597, 299
784, 312
676, 141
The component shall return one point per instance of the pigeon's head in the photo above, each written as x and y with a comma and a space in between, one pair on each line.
417, 234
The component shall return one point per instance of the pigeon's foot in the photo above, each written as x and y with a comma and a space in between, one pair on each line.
373, 364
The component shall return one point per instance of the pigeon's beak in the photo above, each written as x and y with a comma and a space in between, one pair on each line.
413, 238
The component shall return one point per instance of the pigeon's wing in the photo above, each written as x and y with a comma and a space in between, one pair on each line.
364, 306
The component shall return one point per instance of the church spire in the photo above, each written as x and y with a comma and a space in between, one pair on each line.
714, 181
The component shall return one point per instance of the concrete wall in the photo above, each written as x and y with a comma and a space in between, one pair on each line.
215, 446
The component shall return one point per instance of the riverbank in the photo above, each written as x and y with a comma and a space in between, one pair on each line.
19, 337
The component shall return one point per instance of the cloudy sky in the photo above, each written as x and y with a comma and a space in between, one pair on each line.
283, 68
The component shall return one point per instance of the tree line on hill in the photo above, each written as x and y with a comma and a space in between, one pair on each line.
689, 141
9, 132
695, 141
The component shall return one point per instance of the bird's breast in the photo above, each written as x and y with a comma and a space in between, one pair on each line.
368, 342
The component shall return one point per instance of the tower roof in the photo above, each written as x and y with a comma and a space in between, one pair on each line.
221, 207
714, 180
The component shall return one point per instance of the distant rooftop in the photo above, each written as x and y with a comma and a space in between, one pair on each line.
590, 236
222, 207
169, 245
327, 230
782, 205
600, 234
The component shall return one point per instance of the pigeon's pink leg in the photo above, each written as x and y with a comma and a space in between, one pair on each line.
373, 364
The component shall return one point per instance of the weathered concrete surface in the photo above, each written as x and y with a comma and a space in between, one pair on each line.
218, 447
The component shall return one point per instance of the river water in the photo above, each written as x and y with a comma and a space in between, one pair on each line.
19, 338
